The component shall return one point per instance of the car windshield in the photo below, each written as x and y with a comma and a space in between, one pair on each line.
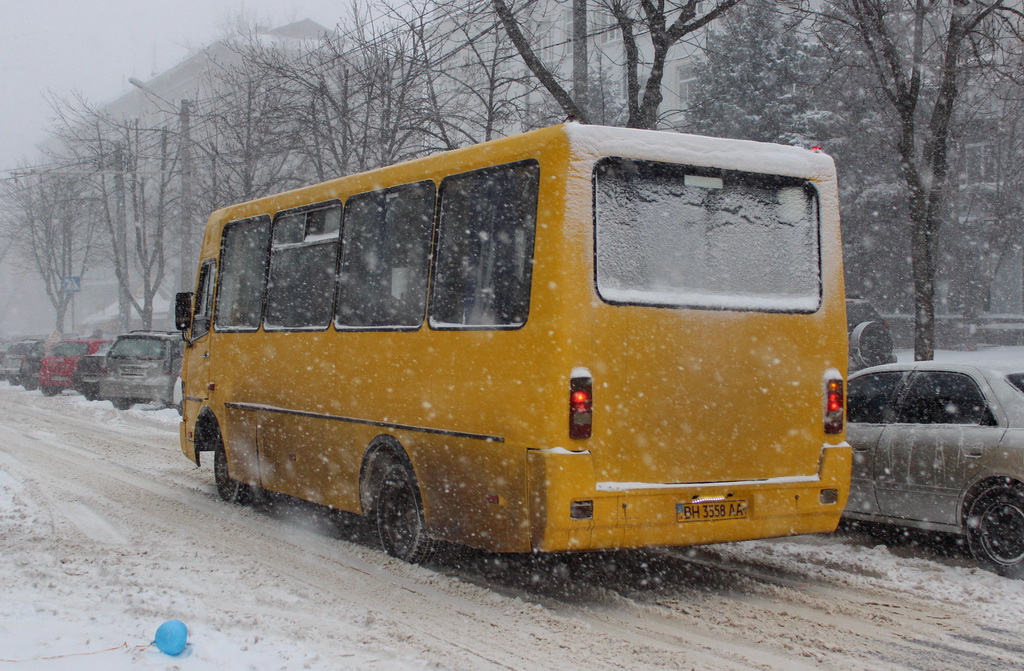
19, 348
70, 349
138, 348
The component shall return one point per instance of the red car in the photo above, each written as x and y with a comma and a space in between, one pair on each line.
58, 367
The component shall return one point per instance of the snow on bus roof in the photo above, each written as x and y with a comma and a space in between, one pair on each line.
745, 155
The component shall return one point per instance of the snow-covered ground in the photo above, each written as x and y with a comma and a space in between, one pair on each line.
107, 531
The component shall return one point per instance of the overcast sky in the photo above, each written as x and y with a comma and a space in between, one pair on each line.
93, 46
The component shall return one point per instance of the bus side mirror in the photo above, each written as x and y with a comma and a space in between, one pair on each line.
183, 310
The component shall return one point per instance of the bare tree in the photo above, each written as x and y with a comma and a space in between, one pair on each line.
649, 28
922, 53
52, 226
985, 220
129, 173
474, 85
246, 138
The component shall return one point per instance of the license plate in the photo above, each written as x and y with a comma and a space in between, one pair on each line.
59, 378
129, 371
711, 511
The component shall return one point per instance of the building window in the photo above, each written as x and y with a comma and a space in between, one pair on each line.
979, 163
686, 82
604, 28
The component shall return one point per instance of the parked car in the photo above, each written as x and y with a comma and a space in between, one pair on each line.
20, 363
4, 346
58, 367
870, 339
142, 367
90, 368
940, 447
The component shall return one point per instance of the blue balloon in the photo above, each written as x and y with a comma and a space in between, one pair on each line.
171, 637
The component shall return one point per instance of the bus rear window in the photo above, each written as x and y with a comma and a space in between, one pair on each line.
679, 236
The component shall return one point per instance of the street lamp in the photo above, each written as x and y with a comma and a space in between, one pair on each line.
185, 273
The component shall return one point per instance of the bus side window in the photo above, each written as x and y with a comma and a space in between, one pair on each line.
303, 258
243, 271
385, 252
204, 300
485, 247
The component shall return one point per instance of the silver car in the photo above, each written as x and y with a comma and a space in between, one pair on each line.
940, 446
142, 367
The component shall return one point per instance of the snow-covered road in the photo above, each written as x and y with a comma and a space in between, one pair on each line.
106, 531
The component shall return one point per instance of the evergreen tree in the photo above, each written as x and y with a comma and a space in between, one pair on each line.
762, 80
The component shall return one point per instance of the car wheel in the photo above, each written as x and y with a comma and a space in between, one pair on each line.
29, 382
50, 391
995, 530
229, 489
398, 513
122, 403
90, 392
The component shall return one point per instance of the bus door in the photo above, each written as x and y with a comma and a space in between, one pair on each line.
195, 369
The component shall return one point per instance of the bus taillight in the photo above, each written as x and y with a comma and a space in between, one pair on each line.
581, 404
834, 402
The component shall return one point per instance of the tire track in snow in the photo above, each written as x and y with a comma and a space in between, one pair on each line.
702, 608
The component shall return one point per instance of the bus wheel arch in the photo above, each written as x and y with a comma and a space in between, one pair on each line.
390, 498
382, 452
207, 433
209, 439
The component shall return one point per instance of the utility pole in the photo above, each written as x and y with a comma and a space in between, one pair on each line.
187, 264
124, 304
579, 55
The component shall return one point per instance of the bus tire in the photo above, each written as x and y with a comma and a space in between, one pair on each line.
229, 489
995, 530
398, 514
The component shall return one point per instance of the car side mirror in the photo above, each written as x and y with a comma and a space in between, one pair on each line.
183, 310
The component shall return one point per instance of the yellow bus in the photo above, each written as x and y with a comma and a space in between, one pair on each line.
577, 338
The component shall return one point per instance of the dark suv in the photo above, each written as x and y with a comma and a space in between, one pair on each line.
142, 367
870, 340
21, 363
90, 369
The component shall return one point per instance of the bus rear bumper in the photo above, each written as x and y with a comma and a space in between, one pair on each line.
632, 515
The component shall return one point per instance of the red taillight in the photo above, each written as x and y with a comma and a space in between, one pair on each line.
581, 406
834, 402
582, 401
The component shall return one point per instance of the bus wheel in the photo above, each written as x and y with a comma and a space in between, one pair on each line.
232, 491
398, 513
995, 530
